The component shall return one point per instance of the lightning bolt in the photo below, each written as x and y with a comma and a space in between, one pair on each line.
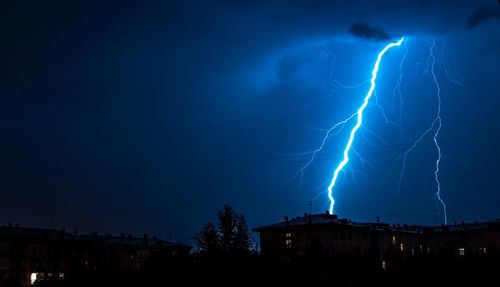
434, 128
359, 115
334, 130
436, 124
397, 88
436, 134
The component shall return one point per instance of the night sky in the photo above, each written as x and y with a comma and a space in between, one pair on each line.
135, 117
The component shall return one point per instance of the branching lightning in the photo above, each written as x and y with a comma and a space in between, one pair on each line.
436, 134
335, 129
436, 124
434, 128
397, 88
340, 125
359, 122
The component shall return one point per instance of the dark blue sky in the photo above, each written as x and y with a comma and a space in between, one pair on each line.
148, 117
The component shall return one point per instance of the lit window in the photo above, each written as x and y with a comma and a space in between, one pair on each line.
288, 240
412, 252
401, 247
482, 250
61, 276
33, 278
461, 251
394, 240
421, 248
384, 265
428, 249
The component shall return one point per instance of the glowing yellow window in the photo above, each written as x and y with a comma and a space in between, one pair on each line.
33, 278
401, 247
461, 251
288, 240
394, 240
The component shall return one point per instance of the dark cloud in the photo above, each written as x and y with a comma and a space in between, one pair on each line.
365, 31
484, 14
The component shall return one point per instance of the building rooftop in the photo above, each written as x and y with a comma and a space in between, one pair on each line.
10, 231
332, 219
28, 232
319, 219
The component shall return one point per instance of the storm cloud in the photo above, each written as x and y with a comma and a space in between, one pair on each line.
484, 14
365, 31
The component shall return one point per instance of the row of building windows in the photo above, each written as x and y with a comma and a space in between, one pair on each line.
480, 250
401, 247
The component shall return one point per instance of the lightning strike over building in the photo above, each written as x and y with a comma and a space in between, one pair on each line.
359, 122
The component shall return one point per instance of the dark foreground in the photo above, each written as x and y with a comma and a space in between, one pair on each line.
254, 270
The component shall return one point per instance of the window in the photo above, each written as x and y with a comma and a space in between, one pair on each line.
288, 240
394, 240
33, 278
384, 265
461, 251
401, 247
421, 248
412, 252
482, 250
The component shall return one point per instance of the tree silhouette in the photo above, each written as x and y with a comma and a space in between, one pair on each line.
241, 242
208, 239
230, 235
227, 227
